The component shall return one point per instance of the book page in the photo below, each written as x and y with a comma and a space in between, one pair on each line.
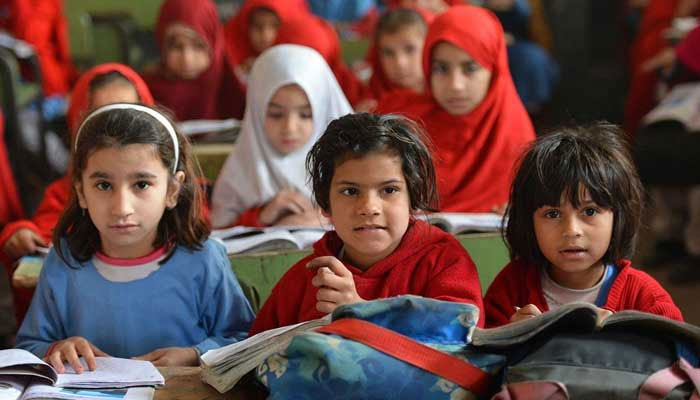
307, 237
43, 391
26, 274
22, 362
11, 387
112, 372
641, 321
267, 241
682, 104
466, 222
199, 126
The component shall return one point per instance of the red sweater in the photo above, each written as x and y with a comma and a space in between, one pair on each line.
518, 285
428, 262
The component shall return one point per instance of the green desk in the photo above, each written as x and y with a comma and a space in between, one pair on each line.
211, 157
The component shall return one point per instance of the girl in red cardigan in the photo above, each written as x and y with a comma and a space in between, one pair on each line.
573, 217
371, 174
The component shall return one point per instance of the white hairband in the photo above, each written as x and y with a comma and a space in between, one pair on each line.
138, 107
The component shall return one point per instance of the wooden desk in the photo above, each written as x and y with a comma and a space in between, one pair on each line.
185, 383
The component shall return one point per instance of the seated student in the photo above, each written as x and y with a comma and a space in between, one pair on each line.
194, 78
10, 204
254, 29
372, 175
471, 109
103, 84
132, 273
573, 219
263, 181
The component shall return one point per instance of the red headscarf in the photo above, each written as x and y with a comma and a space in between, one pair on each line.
311, 31
80, 97
238, 44
688, 51
10, 205
216, 93
474, 153
379, 83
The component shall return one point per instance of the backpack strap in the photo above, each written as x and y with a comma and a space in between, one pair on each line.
661, 383
412, 352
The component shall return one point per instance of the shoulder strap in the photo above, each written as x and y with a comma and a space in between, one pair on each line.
412, 352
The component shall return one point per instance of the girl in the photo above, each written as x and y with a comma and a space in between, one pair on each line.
289, 105
194, 78
471, 110
371, 175
395, 54
103, 84
254, 29
132, 243
573, 217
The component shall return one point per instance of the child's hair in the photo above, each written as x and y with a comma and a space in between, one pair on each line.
357, 135
107, 78
119, 125
394, 20
596, 157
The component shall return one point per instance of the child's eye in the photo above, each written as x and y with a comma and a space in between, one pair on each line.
306, 115
409, 49
590, 211
390, 190
552, 214
103, 186
142, 185
470, 67
275, 115
349, 191
439, 68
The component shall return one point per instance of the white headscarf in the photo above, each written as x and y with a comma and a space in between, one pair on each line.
255, 172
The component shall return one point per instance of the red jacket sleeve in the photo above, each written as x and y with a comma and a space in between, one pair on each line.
636, 290
499, 303
250, 217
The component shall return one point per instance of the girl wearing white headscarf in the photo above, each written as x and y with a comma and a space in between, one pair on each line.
263, 181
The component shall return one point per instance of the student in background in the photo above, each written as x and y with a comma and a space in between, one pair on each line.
311, 31
254, 29
10, 204
573, 219
470, 109
371, 176
194, 78
292, 96
132, 273
103, 84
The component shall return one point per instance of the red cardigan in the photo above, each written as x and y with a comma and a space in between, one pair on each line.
519, 285
428, 262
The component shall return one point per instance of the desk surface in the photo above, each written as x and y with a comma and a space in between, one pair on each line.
185, 383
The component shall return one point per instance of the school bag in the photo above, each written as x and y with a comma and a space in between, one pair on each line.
405, 347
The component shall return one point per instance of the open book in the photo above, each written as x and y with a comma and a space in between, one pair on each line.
581, 317
24, 376
222, 368
243, 239
681, 104
466, 222
210, 130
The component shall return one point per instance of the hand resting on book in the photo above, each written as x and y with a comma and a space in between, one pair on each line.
172, 357
531, 310
69, 350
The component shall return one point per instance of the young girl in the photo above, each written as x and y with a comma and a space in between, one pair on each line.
194, 78
573, 217
471, 110
132, 273
103, 84
371, 175
263, 181
254, 29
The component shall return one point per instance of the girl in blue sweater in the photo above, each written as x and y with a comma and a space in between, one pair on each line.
133, 273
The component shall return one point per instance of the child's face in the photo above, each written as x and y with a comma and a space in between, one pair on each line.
288, 120
262, 29
369, 207
459, 84
126, 190
187, 54
574, 240
114, 92
400, 56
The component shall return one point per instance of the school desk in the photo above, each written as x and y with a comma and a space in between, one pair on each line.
185, 383
211, 157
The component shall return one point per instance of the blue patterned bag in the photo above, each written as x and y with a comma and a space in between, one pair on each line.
430, 333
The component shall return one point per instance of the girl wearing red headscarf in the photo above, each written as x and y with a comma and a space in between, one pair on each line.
254, 29
471, 110
10, 205
103, 84
194, 78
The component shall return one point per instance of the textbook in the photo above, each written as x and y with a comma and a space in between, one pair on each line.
580, 317
24, 376
457, 223
222, 368
210, 130
681, 104
244, 239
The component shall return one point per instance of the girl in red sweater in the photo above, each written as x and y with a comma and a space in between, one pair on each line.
573, 217
371, 175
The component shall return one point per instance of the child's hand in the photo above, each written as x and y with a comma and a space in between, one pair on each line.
287, 201
526, 312
335, 284
602, 314
312, 217
172, 357
69, 350
24, 241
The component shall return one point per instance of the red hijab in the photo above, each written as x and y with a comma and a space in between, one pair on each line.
10, 205
311, 31
80, 96
216, 93
688, 51
474, 153
238, 44
379, 84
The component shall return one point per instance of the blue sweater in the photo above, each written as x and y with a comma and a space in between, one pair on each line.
193, 299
